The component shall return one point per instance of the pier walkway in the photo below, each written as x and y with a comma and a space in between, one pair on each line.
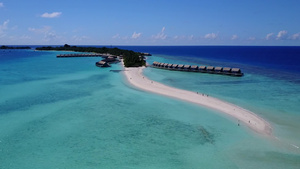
83, 55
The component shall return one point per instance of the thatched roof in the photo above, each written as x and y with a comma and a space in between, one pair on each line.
186, 66
180, 66
202, 67
194, 67
226, 69
161, 64
210, 68
110, 59
101, 62
175, 65
218, 68
236, 70
169, 65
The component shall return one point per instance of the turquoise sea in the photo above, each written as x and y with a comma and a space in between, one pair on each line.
68, 113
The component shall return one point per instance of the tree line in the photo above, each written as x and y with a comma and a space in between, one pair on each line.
131, 58
17, 47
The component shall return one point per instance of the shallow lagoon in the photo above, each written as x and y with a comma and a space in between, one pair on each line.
68, 113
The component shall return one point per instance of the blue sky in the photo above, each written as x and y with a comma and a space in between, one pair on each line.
150, 22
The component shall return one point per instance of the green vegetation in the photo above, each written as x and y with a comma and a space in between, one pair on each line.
18, 47
131, 58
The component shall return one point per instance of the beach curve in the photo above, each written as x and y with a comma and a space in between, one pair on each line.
136, 78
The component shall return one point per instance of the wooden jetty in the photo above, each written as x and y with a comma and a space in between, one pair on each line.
83, 55
201, 69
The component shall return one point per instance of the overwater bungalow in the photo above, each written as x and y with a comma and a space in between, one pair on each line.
180, 67
102, 64
169, 65
218, 69
202, 68
186, 67
210, 68
155, 63
194, 68
174, 66
226, 69
110, 59
235, 70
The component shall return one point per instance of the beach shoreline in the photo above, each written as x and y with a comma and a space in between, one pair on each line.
244, 117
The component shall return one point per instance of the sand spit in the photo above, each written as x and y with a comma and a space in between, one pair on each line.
244, 117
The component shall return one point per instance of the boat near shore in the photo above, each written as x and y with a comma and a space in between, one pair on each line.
202, 69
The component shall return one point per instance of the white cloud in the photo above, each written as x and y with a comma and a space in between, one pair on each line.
79, 38
50, 35
44, 29
161, 35
47, 31
1, 4
177, 37
191, 37
269, 36
116, 36
234, 37
282, 35
136, 35
51, 15
184, 38
296, 36
211, 36
3, 27
26, 37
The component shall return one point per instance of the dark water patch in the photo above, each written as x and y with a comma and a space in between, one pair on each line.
207, 136
10, 81
171, 129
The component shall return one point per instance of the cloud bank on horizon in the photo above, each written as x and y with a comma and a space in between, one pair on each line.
147, 23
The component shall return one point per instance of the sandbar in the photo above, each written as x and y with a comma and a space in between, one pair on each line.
243, 117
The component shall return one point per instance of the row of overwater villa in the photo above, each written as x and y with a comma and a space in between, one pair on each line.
202, 69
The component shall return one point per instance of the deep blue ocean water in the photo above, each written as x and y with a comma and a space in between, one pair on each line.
68, 113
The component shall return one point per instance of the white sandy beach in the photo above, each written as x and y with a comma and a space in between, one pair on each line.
242, 116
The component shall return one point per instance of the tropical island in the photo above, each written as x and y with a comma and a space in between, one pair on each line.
131, 58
